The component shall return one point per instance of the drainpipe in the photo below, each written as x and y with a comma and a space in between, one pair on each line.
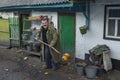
87, 14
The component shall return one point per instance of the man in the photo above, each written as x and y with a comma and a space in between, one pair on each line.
48, 34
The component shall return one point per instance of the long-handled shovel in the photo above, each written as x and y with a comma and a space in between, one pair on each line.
65, 56
50, 46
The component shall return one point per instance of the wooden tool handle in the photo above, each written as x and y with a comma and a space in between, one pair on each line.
50, 46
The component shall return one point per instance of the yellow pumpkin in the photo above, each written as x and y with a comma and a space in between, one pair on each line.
67, 54
46, 73
64, 58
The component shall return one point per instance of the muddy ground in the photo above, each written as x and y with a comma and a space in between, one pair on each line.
17, 65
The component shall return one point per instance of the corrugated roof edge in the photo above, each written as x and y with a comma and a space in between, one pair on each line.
37, 4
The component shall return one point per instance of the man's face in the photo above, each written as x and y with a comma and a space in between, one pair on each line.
45, 24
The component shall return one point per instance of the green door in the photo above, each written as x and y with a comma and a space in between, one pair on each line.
14, 31
26, 25
25, 29
67, 39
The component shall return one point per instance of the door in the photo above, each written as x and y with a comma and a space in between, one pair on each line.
25, 30
67, 33
14, 31
24, 25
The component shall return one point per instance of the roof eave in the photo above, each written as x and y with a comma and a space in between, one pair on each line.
13, 8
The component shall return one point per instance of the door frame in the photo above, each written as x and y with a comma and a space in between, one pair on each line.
69, 14
21, 24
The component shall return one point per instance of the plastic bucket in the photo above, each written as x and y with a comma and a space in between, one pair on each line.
91, 71
80, 70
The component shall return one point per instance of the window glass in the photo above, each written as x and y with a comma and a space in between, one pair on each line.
114, 13
112, 23
111, 27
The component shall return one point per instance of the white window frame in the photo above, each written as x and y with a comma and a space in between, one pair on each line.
106, 36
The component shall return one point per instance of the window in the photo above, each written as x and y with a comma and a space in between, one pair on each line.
112, 23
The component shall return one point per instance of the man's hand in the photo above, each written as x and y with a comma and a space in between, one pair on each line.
50, 46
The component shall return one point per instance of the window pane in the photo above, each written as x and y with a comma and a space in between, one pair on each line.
114, 13
111, 27
118, 34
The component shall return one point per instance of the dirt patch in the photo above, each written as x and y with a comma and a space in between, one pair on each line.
32, 69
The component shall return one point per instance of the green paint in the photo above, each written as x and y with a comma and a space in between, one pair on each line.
25, 30
26, 25
14, 31
66, 26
